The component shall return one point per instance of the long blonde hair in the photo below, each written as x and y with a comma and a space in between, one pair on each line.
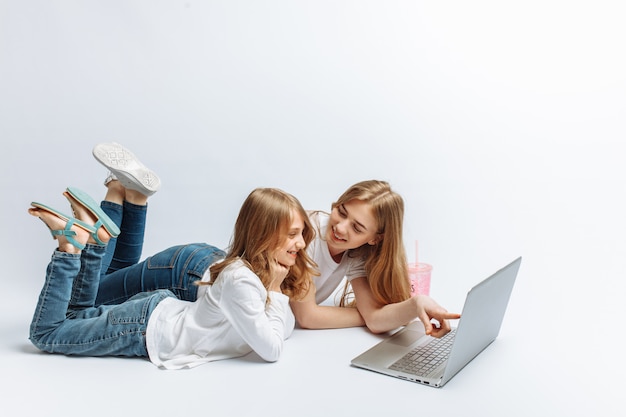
261, 226
385, 262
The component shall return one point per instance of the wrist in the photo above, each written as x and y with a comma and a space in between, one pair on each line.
275, 288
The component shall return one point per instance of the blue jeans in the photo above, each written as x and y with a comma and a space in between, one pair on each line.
174, 269
126, 249
66, 320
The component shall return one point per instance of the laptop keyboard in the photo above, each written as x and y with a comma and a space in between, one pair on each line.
424, 359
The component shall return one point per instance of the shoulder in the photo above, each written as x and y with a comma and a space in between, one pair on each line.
319, 221
358, 255
318, 218
237, 284
238, 267
238, 272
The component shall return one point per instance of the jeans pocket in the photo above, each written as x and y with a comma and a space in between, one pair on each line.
165, 259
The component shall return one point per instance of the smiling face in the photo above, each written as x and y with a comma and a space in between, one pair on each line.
351, 225
287, 252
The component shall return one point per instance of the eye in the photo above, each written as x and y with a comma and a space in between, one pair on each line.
294, 234
356, 228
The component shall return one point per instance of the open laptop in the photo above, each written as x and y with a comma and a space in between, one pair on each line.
479, 325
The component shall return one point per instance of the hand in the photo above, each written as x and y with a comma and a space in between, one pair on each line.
428, 310
278, 273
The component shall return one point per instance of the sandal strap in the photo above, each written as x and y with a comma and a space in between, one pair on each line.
69, 234
94, 235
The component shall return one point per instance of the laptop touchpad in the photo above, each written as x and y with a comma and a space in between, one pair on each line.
405, 338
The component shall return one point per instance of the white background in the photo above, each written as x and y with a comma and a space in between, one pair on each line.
501, 124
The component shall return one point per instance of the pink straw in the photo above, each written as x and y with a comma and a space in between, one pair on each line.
416, 261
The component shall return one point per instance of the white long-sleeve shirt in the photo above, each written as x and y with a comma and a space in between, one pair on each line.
231, 318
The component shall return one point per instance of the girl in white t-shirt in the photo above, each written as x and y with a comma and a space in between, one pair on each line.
243, 304
361, 240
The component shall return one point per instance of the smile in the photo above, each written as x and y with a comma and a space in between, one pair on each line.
336, 236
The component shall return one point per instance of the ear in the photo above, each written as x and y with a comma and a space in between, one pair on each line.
375, 241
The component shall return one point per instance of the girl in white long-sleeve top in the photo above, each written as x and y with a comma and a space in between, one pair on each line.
243, 299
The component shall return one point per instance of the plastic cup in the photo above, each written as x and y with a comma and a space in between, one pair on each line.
419, 276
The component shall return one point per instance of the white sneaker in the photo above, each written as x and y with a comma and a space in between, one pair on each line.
109, 178
126, 168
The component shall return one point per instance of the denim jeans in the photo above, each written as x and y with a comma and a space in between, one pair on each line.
66, 320
126, 249
174, 269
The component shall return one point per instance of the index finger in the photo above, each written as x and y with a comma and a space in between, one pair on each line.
450, 316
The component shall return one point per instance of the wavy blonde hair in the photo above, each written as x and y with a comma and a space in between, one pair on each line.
385, 262
261, 226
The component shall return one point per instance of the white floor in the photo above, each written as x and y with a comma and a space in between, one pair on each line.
536, 367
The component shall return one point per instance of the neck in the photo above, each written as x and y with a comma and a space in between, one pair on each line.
336, 255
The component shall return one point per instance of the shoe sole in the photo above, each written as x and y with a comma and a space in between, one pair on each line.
127, 168
94, 208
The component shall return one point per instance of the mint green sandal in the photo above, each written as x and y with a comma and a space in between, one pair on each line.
90, 204
67, 231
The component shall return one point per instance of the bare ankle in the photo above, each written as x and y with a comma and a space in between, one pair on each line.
67, 247
116, 193
136, 198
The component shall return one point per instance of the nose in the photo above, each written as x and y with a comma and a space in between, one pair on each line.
340, 227
300, 244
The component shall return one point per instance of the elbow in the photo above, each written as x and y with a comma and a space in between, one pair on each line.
272, 355
376, 324
375, 327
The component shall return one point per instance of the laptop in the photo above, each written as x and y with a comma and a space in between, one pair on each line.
410, 348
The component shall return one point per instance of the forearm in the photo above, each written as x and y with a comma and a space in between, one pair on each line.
326, 317
380, 319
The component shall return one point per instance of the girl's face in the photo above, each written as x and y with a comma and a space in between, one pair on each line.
287, 252
351, 225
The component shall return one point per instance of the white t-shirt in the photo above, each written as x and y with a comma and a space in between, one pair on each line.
331, 272
230, 319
